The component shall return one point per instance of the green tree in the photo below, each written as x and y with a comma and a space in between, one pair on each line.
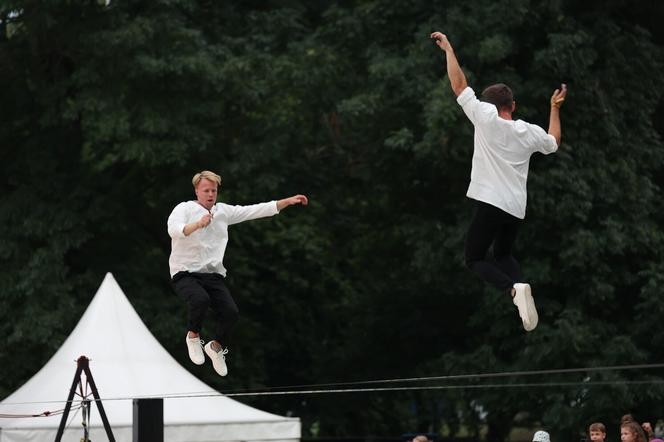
108, 110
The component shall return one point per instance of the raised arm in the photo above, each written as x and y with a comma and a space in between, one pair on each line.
454, 72
557, 100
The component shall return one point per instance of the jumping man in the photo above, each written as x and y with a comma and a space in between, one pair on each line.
501, 155
199, 233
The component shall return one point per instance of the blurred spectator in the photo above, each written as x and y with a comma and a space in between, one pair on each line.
647, 428
597, 432
541, 436
631, 431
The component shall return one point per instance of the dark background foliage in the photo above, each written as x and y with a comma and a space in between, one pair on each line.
106, 111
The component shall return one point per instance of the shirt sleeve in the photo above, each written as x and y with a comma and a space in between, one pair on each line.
476, 110
177, 220
540, 140
238, 214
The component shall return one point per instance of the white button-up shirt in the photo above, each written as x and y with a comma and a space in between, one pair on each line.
501, 155
203, 250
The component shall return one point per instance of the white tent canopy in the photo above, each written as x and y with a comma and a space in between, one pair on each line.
127, 362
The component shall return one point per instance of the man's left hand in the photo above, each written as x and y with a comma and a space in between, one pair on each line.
297, 199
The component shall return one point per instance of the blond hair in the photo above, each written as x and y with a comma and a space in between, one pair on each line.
206, 174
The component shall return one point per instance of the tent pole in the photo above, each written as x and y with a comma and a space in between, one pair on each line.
72, 391
84, 366
100, 407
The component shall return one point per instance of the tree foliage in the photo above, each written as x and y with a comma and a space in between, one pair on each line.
108, 109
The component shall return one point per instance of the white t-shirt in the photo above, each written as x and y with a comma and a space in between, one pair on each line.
501, 155
203, 251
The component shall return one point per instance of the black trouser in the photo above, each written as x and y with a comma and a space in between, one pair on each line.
207, 290
490, 225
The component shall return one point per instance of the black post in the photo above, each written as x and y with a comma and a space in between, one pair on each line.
148, 420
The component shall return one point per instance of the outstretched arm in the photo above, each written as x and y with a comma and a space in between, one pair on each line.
454, 72
557, 100
297, 199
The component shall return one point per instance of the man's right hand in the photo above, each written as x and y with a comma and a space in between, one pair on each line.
442, 41
204, 221
201, 223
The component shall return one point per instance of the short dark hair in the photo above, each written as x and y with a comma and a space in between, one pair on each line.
500, 95
597, 426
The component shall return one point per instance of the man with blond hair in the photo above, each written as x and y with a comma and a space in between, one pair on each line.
501, 156
199, 235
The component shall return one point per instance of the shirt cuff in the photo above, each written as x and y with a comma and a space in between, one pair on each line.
553, 145
177, 230
465, 96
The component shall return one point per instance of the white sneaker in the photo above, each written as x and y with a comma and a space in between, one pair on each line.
195, 347
218, 359
524, 301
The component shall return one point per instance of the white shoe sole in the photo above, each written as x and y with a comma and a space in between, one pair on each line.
524, 301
